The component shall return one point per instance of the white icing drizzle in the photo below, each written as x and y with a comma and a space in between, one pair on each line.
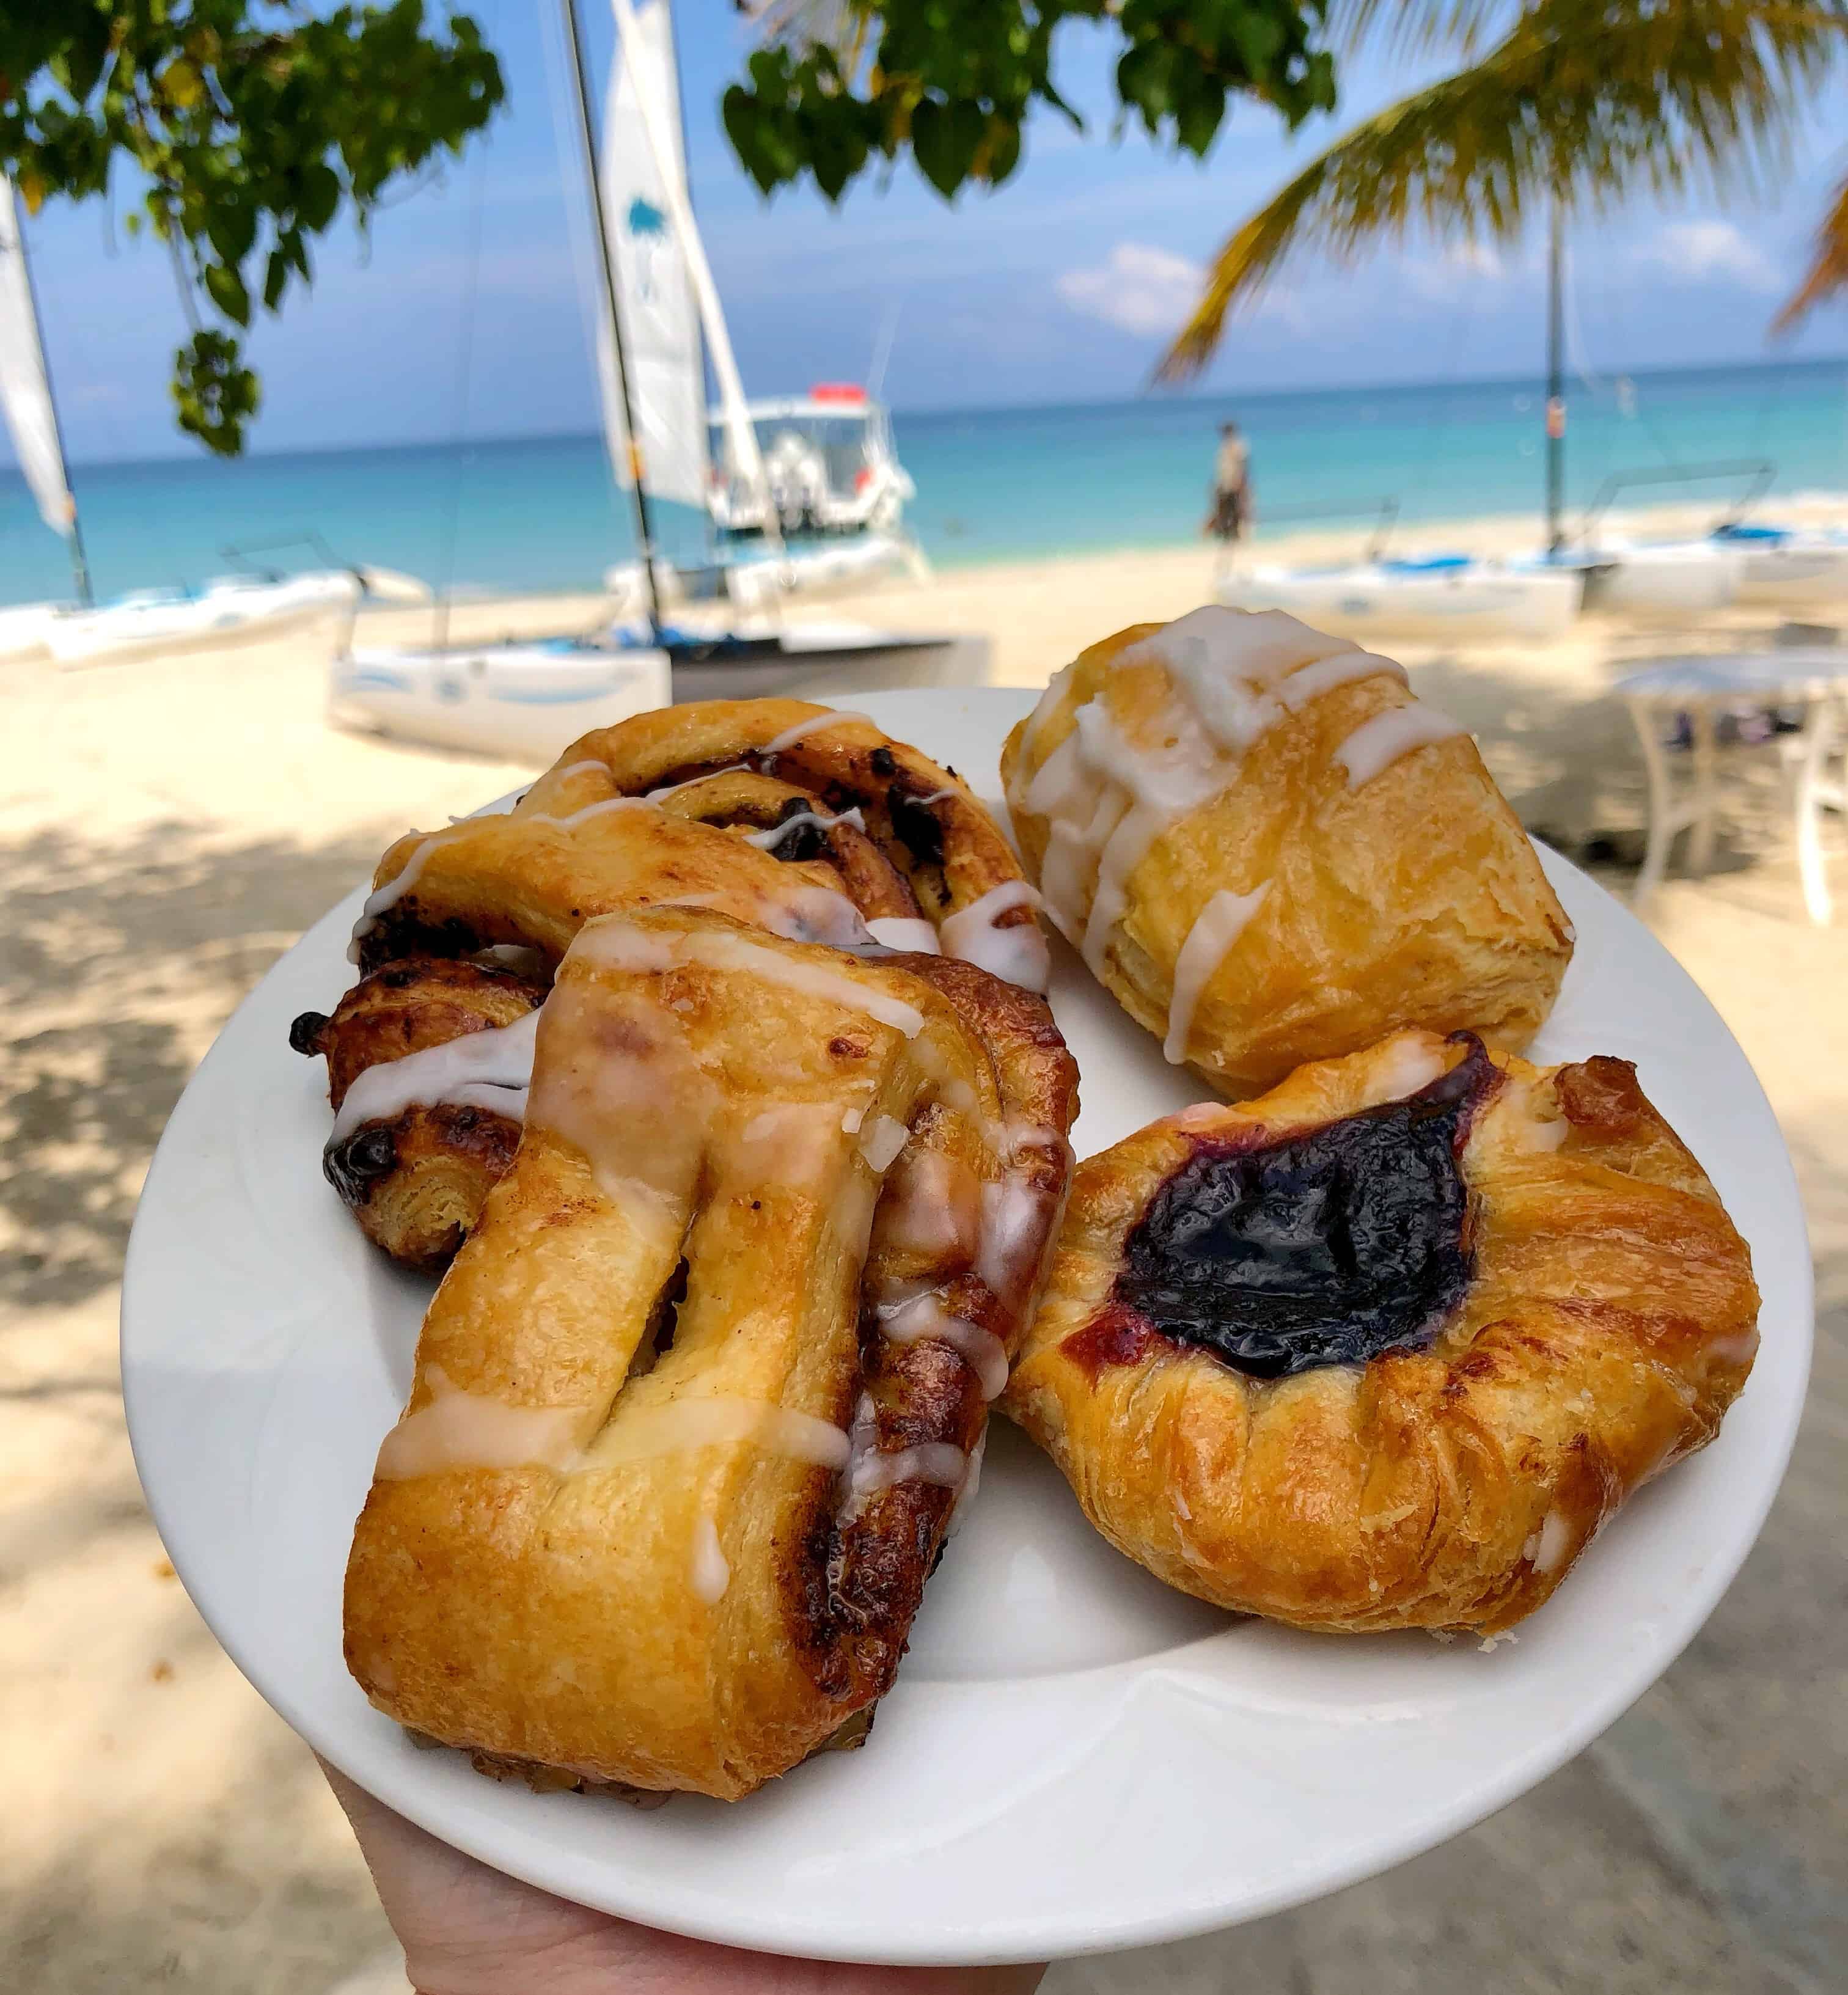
881, 1143
712, 1573
392, 892
1216, 930
850, 1120
1378, 744
1409, 1062
792, 908
458, 1430
924, 1317
937, 796
905, 931
712, 1421
972, 1481
578, 768
491, 1069
939, 1462
1017, 1222
674, 789
1017, 954
734, 952
813, 724
1235, 675
932, 1206
1546, 1550
1342, 668
769, 838
604, 807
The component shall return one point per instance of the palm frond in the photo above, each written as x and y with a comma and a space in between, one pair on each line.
1828, 273
1584, 99
1419, 27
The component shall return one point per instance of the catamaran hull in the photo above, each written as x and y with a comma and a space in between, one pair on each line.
1479, 602
219, 617
1673, 580
518, 702
1798, 571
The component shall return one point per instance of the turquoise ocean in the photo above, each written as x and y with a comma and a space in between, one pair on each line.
539, 514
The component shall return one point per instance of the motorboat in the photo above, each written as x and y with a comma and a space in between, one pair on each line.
758, 581
519, 702
830, 468
1439, 596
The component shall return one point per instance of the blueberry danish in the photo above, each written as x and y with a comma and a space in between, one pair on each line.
1385, 1347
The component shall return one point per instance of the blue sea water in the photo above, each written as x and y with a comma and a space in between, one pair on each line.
539, 514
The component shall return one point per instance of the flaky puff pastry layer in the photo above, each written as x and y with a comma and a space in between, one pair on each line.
1608, 1320
1322, 910
694, 1401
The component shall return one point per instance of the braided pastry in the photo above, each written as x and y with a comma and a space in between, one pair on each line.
694, 1402
808, 823
1384, 1348
1270, 852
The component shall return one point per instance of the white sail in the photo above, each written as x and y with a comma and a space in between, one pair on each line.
644, 186
659, 124
24, 391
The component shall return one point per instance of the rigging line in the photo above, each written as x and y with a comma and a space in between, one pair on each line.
1463, 321
465, 369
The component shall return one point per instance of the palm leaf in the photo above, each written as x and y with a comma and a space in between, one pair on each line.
1828, 272
1585, 99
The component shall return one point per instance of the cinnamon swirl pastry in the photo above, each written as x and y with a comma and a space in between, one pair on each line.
1384, 1348
806, 822
697, 1397
1270, 852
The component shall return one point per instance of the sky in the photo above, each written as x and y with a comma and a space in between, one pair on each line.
1059, 287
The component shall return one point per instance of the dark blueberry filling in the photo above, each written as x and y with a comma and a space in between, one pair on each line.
305, 1030
1327, 1249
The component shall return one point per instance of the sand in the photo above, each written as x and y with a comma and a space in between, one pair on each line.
169, 827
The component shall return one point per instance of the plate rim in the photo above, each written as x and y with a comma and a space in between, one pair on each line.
512, 1846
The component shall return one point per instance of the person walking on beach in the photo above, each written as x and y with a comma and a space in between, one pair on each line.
1230, 515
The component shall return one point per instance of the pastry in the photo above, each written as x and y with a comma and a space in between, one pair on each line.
1270, 852
1384, 1348
807, 822
696, 1399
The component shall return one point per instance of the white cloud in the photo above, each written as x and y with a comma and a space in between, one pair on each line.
1463, 267
1700, 251
1138, 288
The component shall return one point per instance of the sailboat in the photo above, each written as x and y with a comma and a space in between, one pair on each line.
801, 496
656, 299
32, 420
1669, 579
229, 610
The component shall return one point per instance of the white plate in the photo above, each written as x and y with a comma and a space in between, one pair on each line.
1073, 1757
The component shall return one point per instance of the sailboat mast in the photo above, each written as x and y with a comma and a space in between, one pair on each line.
79, 562
1556, 382
644, 523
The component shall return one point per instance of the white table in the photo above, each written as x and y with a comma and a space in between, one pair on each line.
1816, 679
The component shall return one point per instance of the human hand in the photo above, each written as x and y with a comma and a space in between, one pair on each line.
468, 1930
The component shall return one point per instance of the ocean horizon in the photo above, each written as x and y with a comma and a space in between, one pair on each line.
539, 514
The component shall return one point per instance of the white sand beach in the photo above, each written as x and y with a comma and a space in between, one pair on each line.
170, 826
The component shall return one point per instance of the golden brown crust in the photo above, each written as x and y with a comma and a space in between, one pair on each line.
1414, 899
768, 1143
1609, 1323
415, 1179
688, 806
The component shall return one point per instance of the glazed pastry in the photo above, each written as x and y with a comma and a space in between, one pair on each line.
1270, 852
1384, 1348
827, 829
807, 822
695, 1400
